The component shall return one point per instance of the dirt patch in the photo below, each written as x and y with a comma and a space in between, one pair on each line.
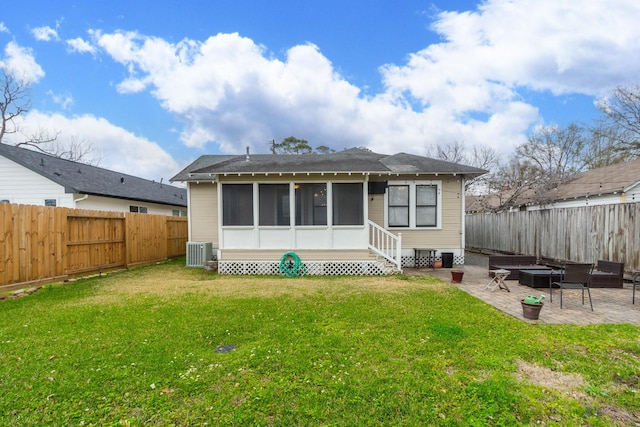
573, 385
554, 380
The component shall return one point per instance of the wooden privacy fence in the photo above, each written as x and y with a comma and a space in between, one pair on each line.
40, 243
582, 234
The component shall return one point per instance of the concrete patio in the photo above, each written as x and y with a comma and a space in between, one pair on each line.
609, 305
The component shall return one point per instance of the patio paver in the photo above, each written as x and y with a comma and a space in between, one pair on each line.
609, 305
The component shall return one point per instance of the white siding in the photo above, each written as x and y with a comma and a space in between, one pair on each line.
120, 205
203, 213
21, 185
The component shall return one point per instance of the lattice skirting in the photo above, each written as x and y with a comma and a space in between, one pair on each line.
313, 268
409, 261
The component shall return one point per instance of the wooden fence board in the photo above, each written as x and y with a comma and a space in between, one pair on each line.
39, 243
583, 234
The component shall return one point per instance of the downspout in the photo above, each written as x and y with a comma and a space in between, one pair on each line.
189, 219
463, 214
75, 201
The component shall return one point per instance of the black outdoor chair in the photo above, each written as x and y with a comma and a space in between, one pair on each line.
576, 276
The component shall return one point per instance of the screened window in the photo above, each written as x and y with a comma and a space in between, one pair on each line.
274, 204
237, 204
347, 204
398, 205
426, 205
311, 204
50, 202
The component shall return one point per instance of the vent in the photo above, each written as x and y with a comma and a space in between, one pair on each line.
198, 253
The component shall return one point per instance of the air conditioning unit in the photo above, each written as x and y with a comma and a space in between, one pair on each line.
198, 253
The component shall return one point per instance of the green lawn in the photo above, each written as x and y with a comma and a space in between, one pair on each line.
140, 348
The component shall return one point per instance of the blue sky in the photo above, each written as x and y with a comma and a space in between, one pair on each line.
152, 85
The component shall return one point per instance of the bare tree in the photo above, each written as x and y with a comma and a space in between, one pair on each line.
509, 187
454, 152
75, 149
601, 146
553, 153
480, 156
622, 110
14, 104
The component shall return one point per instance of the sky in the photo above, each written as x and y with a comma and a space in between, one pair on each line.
152, 85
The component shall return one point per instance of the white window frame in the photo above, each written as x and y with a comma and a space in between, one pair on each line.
412, 205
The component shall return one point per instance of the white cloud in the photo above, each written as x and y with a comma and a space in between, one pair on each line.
80, 45
20, 62
231, 91
3, 28
45, 34
65, 101
546, 45
114, 147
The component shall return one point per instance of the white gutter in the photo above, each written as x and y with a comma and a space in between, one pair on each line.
463, 214
75, 201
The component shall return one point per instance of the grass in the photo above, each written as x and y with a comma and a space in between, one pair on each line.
140, 348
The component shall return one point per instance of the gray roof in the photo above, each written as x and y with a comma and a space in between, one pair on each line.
612, 179
352, 160
86, 179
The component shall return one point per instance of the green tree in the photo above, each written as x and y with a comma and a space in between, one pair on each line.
291, 145
323, 149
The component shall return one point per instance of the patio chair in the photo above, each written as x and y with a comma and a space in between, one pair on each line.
576, 276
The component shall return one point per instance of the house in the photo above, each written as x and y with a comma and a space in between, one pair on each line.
350, 212
613, 184
31, 177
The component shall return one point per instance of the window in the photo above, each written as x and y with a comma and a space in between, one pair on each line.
178, 212
414, 204
138, 209
426, 205
347, 204
311, 204
398, 205
50, 202
237, 204
274, 204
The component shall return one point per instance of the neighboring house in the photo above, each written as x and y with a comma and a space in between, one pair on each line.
618, 183
341, 213
613, 184
34, 178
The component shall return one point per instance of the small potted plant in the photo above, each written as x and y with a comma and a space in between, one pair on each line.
456, 276
531, 306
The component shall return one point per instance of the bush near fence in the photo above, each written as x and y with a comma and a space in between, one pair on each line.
581, 234
42, 243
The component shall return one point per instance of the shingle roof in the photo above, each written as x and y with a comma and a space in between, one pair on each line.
616, 178
86, 179
352, 160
